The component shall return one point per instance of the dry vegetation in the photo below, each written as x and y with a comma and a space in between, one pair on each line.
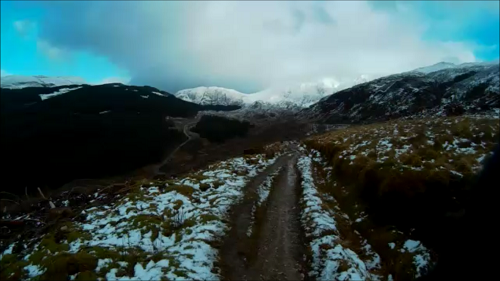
414, 167
404, 179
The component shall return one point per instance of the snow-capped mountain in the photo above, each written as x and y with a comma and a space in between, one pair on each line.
291, 96
471, 88
435, 67
212, 96
21, 81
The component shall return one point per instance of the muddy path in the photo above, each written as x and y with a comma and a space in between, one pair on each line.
275, 250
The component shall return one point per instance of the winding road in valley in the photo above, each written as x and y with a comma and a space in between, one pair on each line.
186, 129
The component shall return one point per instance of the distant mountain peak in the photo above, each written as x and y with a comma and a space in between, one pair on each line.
435, 67
22, 81
283, 96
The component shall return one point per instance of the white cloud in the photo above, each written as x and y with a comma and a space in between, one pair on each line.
23, 27
123, 80
50, 51
242, 45
3, 73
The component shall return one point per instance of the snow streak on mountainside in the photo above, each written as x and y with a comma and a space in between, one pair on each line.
293, 96
20, 81
467, 88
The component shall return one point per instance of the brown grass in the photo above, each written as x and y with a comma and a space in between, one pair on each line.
413, 188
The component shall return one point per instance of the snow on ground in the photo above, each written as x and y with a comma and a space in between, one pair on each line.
422, 257
457, 144
265, 187
169, 227
370, 257
330, 260
57, 93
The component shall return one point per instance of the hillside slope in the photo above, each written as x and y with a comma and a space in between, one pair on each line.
469, 88
63, 133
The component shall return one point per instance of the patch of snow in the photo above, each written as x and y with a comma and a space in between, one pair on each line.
480, 159
265, 187
317, 221
422, 258
158, 94
34, 270
58, 93
7, 251
102, 263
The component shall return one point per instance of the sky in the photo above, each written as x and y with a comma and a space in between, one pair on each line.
247, 46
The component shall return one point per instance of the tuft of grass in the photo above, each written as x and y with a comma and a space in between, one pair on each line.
204, 186
11, 268
182, 189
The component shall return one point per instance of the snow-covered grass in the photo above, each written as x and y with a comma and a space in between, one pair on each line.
330, 259
435, 159
381, 249
410, 174
421, 256
454, 144
166, 230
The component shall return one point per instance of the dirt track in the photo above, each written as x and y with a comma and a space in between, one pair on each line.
275, 250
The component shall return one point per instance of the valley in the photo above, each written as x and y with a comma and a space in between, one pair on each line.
378, 181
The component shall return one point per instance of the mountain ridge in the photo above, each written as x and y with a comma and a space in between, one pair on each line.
283, 96
470, 88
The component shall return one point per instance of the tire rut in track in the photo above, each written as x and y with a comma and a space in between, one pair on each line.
276, 251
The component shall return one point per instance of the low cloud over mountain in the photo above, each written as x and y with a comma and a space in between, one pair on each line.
248, 45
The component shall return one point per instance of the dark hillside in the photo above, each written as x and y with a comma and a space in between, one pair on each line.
93, 131
219, 129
